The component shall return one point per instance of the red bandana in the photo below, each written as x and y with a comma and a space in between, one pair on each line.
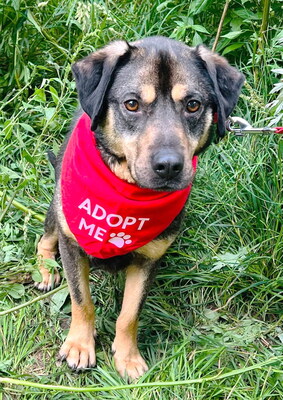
107, 215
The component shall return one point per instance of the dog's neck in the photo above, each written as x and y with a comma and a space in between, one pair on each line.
118, 166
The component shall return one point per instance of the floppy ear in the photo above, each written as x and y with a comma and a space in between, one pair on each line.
226, 81
93, 75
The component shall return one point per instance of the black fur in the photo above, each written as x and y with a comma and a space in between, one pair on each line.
164, 72
92, 84
227, 83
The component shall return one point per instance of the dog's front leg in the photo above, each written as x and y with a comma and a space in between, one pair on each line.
47, 249
128, 361
79, 347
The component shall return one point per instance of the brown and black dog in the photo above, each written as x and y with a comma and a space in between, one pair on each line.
151, 104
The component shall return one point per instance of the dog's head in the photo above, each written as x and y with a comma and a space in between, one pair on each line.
152, 103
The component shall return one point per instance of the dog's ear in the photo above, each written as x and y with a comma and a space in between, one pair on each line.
93, 75
226, 81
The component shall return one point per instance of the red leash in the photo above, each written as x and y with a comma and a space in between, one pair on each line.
244, 127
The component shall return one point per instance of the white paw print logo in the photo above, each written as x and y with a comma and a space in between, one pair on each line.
120, 239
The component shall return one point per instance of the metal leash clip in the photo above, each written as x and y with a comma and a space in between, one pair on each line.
244, 127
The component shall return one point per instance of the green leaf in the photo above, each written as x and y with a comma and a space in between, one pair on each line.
197, 39
280, 150
280, 337
16, 290
33, 21
28, 157
236, 24
163, 5
8, 128
50, 264
233, 47
9, 172
36, 275
229, 259
6, 365
27, 127
232, 35
197, 6
54, 94
39, 95
243, 13
200, 28
58, 300
49, 112
211, 314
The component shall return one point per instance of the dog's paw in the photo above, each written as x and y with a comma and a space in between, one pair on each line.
79, 354
49, 281
131, 366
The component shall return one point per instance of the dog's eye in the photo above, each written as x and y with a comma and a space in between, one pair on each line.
132, 105
193, 106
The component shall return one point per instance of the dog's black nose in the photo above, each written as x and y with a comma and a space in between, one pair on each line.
167, 163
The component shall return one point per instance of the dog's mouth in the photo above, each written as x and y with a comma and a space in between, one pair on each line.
166, 185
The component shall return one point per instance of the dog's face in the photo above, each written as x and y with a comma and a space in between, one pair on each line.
153, 102
159, 114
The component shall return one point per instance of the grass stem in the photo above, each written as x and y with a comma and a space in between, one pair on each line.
23, 208
90, 389
220, 25
36, 299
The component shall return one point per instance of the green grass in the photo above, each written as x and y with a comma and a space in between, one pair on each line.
215, 309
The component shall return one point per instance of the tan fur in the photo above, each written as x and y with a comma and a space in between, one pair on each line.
126, 354
116, 48
204, 137
207, 54
64, 225
155, 249
122, 171
190, 144
110, 53
61, 217
47, 249
179, 91
82, 314
109, 134
136, 148
215, 59
78, 348
148, 93
140, 148
47, 246
186, 142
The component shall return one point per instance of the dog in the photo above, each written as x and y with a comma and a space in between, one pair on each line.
124, 173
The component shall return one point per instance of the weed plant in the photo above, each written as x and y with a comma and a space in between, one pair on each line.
215, 309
